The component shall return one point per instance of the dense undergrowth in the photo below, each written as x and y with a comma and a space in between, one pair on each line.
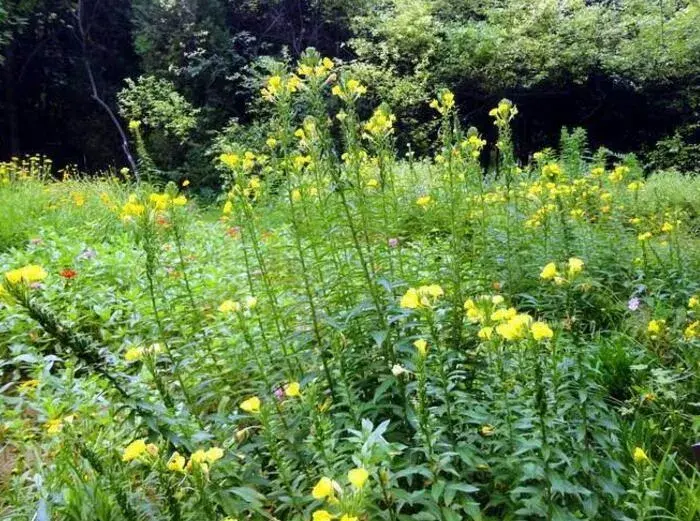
349, 336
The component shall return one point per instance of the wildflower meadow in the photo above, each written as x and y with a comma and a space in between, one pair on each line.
343, 332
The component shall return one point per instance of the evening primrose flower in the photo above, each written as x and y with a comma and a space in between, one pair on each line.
421, 345
133, 354
639, 456
487, 430
694, 302
485, 333
321, 515
358, 477
541, 331
692, 331
213, 454
230, 306
27, 274
176, 463
134, 450
655, 327
292, 389
444, 102
549, 271
410, 299
251, 405
423, 201
642, 237
323, 489
54, 426
575, 266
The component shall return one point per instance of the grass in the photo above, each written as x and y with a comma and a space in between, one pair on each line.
353, 337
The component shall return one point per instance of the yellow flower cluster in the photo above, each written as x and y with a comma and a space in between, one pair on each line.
349, 90
473, 145
504, 112
444, 102
278, 87
380, 124
422, 297
618, 174
320, 69
132, 208
138, 449
574, 266
326, 490
55, 425
134, 354
27, 274
506, 322
161, 202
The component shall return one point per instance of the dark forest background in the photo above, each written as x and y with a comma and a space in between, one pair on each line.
626, 70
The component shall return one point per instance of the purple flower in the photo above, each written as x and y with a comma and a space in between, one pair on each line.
279, 393
633, 304
393, 242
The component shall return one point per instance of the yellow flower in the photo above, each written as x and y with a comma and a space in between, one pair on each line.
551, 171
644, 236
251, 405
228, 207
347, 517
176, 463
485, 333
515, 328
422, 346
667, 227
655, 327
321, 515
358, 477
694, 302
186, 183
541, 331
693, 330
410, 299
133, 354
639, 456
424, 200
251, 302
323, 489
135, 449
230, 306
54, 426
213, 454
27, 274
230, 160
372, 183
487, 430
501, 315
292, 389
180, 200
296, 195
134, 125
160, 201
575, 266
549, 271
